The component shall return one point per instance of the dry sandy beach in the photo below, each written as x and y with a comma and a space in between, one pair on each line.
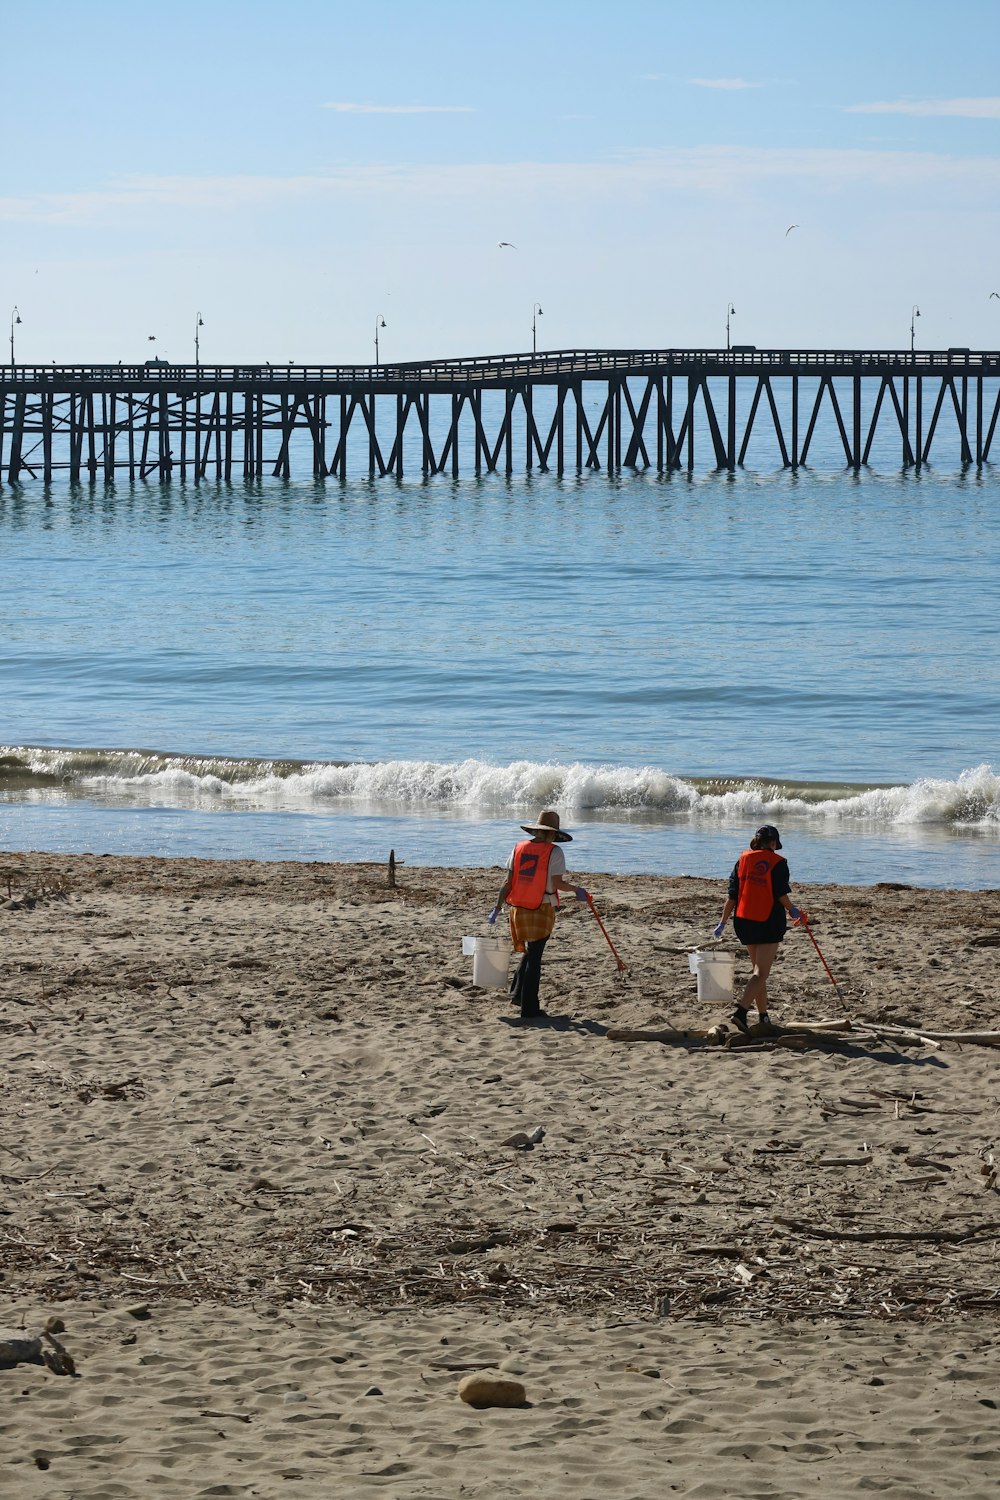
264, 1159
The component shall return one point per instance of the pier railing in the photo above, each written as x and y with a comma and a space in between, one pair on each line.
496, 368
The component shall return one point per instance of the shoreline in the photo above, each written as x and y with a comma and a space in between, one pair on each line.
930, 857
259, 1152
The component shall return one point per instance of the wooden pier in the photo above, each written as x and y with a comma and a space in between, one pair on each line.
568, 410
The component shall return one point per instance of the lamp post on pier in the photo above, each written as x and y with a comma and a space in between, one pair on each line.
15, 319
730, 313
199, 323
914, 314
536, 313
379, 323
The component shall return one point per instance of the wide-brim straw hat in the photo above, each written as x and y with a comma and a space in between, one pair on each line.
548, 822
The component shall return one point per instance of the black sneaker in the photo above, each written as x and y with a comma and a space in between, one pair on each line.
739, 1020
764, 1019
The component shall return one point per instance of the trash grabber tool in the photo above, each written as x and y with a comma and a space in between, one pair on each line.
622, 968
805, 923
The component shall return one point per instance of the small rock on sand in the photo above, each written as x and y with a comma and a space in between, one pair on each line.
485, 1389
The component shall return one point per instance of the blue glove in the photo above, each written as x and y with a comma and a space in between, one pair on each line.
794, 913
581, 894
493, 915
718, 931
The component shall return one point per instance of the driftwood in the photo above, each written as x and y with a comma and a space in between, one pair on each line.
799, 1034
974, 1038
718, 1034
840, 1024
629, 1034
796, 1036
900, 1038
867, 1236
767, 1041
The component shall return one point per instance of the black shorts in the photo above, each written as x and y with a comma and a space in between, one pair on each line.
771, 931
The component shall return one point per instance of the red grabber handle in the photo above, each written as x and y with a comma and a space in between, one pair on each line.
622, 968
804, 921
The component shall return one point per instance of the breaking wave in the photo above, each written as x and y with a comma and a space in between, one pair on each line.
476, 787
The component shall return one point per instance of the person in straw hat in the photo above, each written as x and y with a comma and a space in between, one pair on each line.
536, 873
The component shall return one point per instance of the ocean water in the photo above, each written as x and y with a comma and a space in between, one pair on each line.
326, 671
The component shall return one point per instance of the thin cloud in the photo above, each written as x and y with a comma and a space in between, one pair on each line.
987, 108
710, 172
723, 83
343, 108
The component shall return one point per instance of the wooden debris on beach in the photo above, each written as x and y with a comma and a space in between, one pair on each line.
794, 1036
685, 1235
801, 1035
979, 1231
668, 1035
859, 1184
45, 1348
962, 1038
40, 885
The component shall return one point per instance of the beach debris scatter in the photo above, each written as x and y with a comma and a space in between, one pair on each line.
180, 1125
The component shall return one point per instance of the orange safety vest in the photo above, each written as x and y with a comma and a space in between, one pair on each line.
529, 874
756, 901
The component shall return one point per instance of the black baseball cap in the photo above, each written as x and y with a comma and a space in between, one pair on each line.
770, 833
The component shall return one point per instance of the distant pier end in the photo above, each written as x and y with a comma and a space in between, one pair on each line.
566, 410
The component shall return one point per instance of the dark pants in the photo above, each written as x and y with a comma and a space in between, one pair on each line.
524, 985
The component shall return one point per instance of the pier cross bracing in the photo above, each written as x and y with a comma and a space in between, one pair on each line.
559, 411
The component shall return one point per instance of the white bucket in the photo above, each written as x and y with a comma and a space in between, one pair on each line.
468, 946
715, 973
489, 963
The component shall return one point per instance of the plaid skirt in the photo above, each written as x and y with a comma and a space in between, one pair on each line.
531, 926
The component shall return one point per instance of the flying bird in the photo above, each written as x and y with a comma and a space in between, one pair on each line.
789, 229
505, 245
994, 294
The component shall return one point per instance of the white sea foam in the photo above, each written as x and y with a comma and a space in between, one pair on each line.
470, 787
472, 784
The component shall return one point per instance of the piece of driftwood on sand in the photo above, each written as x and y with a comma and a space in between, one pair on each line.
798, 1035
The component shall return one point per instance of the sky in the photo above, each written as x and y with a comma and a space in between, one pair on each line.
294, 175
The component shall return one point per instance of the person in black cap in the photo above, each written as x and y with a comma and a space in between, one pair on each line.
536, 872
758, 895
